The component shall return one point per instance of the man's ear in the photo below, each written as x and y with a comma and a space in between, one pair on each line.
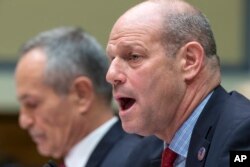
192, 60
84, 93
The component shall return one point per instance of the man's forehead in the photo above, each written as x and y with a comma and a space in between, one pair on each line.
138, 19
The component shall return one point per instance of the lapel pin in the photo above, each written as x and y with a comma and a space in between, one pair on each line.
201, 153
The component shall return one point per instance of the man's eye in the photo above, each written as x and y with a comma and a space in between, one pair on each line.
134, 57
30, 105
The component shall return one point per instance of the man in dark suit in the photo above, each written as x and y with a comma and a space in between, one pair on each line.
166, 79
223, 126
65, 101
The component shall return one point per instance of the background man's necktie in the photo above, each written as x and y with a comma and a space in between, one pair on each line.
62, 165
168, 158
50, 163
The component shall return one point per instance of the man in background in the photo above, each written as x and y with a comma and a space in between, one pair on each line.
65, 101
166, 78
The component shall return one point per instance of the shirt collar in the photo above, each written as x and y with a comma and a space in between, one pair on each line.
80, 153
181, 140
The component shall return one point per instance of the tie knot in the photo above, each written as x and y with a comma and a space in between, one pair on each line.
62, 165
168, 158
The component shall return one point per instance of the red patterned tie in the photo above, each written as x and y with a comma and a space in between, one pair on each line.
62, 165
168, 158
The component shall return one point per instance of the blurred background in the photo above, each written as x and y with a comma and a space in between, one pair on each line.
21, 20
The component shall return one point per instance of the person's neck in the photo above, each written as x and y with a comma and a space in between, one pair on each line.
194, 94
90, 121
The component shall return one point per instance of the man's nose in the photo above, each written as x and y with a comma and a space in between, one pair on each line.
25, 120
116, 72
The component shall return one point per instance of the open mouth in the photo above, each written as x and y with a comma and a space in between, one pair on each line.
37, 138
125, 103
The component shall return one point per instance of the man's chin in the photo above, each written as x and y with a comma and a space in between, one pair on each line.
44, 151
132, 129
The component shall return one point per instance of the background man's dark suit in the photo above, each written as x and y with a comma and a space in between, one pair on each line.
224, 125
116, 146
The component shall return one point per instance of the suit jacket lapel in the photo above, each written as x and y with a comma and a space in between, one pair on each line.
155, 163
204, 130
105, 145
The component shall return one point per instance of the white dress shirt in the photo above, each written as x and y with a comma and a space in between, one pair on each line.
80, 153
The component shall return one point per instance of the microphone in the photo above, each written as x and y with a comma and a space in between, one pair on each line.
50, 163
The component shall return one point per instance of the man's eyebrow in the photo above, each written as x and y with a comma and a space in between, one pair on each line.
23, 97
121, 47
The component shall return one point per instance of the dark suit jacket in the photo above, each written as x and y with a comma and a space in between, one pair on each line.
115, 148
223, 125
147, 153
